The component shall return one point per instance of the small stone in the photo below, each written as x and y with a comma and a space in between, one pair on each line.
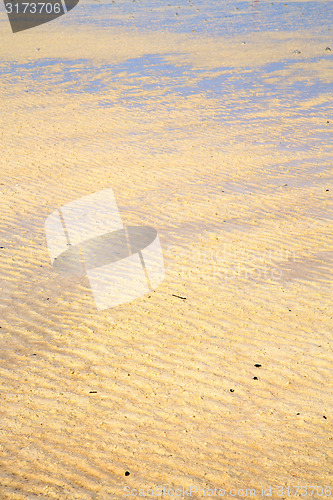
327, 189
92, 392
328, 49
255, 378
324, 417
297, 413
232, 390
257, 365
297, 51
127, 473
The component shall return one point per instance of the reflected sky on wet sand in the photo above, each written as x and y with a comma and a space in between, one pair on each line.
213, 17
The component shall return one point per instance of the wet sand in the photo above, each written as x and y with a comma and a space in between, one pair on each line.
225, 148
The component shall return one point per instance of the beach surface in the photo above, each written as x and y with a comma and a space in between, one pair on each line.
211, 122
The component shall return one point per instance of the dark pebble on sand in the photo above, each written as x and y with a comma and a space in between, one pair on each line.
257, 365
297, 413
127, 473
92, 392
328, 49
327, 189
255, 378
324, 417
232, 390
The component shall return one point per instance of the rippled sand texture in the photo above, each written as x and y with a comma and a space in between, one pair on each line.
225, 148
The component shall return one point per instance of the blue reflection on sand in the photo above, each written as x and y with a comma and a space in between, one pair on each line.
214, 17
153, 72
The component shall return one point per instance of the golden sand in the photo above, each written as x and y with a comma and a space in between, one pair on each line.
242, 207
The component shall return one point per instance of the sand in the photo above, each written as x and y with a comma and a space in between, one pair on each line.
225, 149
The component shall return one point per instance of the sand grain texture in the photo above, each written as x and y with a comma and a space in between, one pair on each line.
225, 149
